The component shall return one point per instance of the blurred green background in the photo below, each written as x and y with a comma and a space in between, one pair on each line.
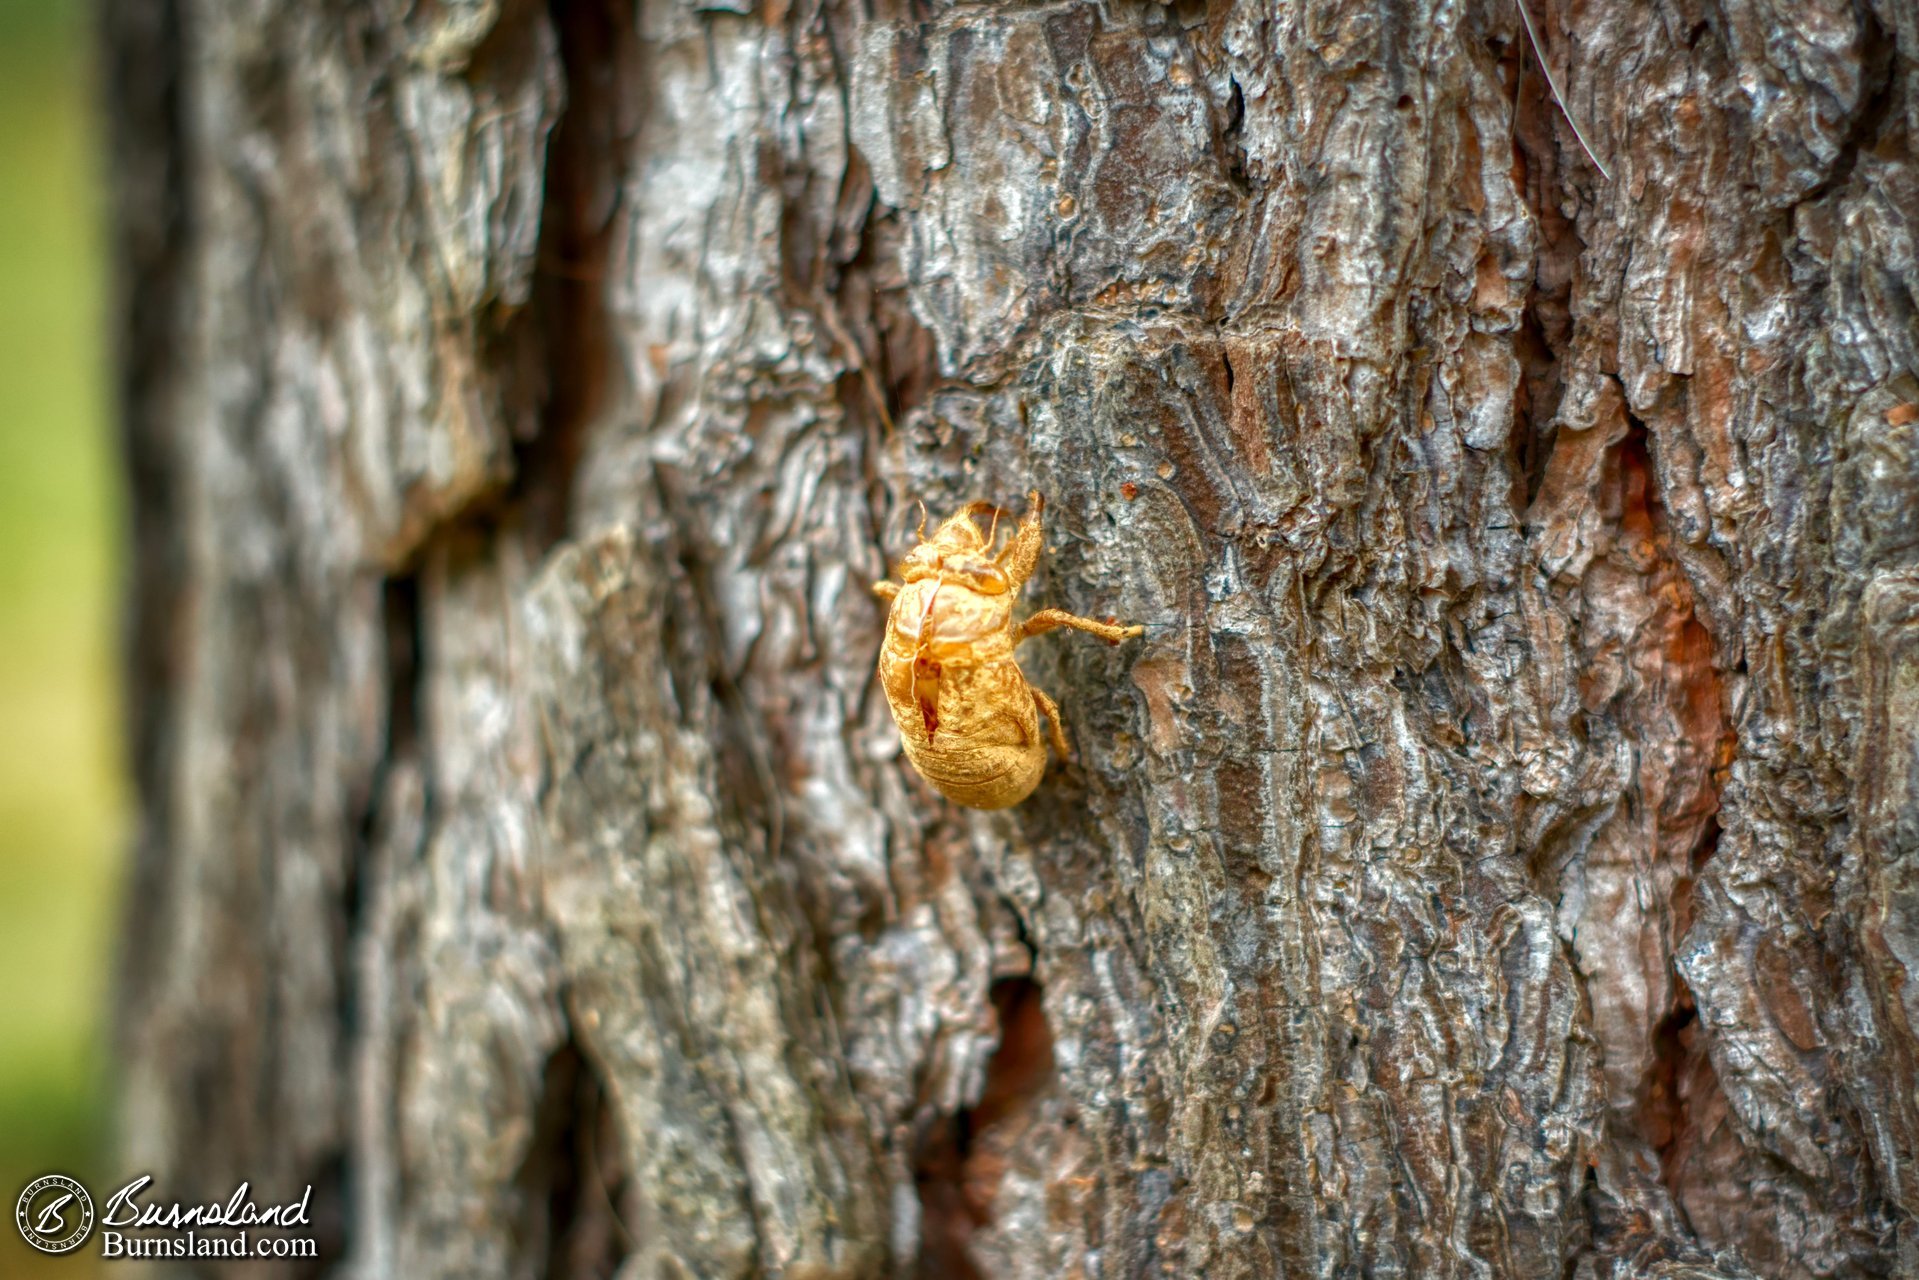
63, 804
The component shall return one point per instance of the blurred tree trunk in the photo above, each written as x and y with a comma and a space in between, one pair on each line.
1500, 858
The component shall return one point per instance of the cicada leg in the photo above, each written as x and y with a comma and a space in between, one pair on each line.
1055, 731
1047, 619
1021, 554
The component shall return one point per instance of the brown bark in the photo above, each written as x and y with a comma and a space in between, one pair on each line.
1498, 859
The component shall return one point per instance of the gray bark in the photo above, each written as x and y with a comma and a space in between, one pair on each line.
1500, 858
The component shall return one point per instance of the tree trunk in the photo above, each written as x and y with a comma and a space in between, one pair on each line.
1500, 857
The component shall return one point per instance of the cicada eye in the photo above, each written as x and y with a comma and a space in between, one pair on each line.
981, 575
921, 562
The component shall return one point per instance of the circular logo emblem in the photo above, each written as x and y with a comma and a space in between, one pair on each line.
54, 1214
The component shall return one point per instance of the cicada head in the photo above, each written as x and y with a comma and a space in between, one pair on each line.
959, 553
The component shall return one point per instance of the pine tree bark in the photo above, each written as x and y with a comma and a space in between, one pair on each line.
1500, 858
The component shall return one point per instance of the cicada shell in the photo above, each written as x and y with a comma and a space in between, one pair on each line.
968, 718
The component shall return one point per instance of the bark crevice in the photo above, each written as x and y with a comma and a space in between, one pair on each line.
573, 1180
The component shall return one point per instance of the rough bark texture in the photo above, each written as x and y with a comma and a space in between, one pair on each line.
1500, 858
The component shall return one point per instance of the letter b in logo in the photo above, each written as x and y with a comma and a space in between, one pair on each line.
54, 1214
